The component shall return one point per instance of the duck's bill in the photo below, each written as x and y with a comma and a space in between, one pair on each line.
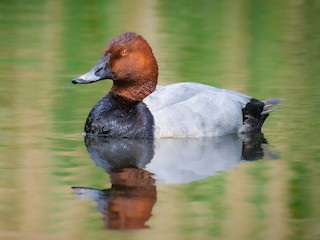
99, 72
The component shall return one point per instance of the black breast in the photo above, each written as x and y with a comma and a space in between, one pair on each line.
113, 117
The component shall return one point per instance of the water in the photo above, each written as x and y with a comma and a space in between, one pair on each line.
53, 187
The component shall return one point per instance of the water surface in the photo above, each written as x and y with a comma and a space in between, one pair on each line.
53, 187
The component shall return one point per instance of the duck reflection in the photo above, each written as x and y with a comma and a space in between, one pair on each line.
127, 205
135, 164
187, 160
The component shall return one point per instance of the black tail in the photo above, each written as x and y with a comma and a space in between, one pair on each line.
255, 113
268, 104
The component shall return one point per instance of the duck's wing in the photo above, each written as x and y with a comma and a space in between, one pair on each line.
195, 110
168, 95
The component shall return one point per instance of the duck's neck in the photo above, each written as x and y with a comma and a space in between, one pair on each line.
132, 92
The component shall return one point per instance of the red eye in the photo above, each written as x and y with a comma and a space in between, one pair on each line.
124, 52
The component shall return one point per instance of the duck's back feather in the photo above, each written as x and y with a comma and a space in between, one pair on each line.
195, 110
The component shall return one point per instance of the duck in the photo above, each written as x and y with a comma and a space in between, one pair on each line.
137, 107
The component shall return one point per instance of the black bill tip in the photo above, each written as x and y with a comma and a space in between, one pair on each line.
76, 80
82, 81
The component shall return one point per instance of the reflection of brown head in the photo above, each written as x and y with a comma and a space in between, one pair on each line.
133, 195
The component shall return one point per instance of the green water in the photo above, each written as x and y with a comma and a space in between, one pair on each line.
261, 48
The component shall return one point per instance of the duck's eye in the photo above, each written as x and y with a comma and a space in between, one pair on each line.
124, 52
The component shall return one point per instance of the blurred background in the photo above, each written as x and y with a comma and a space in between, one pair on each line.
261, 48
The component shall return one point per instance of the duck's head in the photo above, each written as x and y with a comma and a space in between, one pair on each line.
128, 61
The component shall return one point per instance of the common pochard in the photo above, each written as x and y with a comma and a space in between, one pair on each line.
136, 107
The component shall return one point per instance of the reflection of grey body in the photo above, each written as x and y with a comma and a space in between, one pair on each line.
174, 160
187, 160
